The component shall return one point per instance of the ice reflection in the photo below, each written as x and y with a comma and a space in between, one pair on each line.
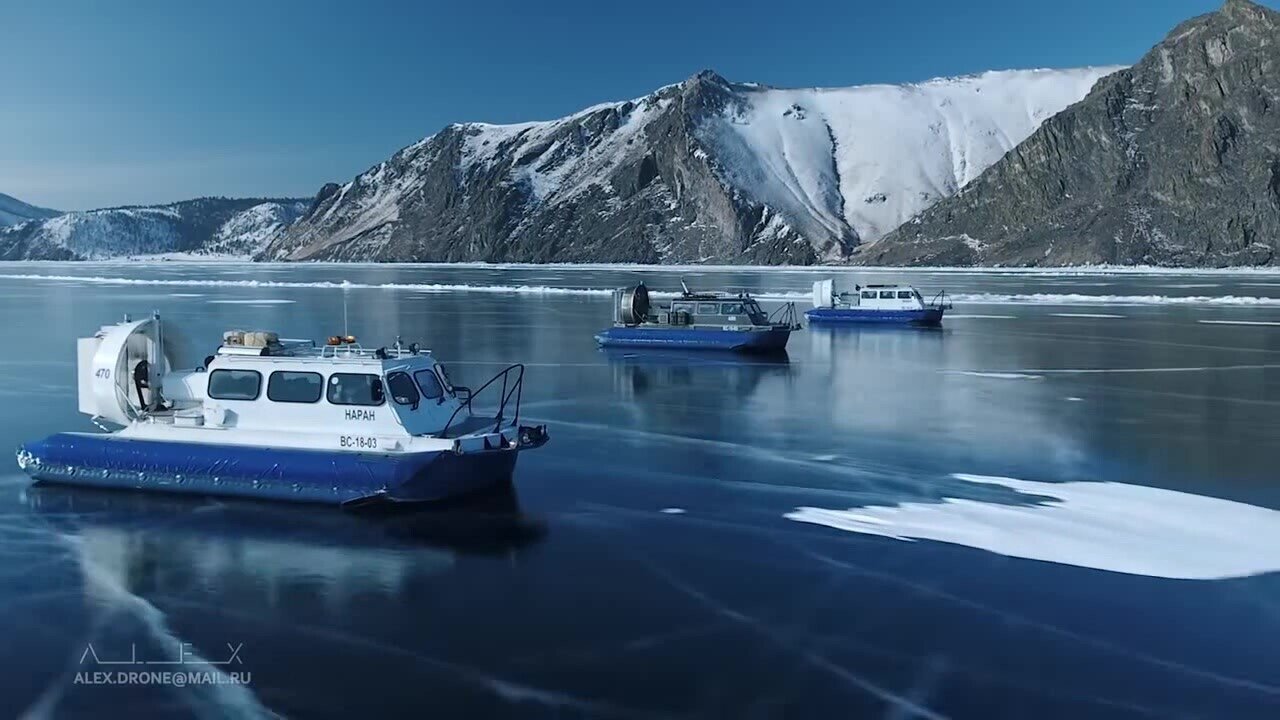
169, 545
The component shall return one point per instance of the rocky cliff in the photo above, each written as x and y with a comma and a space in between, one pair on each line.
1175, 161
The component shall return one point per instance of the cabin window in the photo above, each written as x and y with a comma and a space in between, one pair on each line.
886, 294
355, 389
869, 294
403, 391
904, 294
678, 307
708, 308
732, 309
235, 384
429, 384
295, 387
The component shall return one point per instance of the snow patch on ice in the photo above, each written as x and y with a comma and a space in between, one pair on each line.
1079, 299
1110, 526
1238, 322
995, 375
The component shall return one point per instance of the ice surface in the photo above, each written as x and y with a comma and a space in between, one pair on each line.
958, 298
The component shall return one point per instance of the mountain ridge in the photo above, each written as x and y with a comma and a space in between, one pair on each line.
205, 226
15, 212
699, 171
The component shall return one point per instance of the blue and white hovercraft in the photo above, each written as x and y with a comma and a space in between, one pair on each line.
281, 420
878, 304
697, 321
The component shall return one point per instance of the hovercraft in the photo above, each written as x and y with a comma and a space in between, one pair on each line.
281, 420
879, 304
697, 321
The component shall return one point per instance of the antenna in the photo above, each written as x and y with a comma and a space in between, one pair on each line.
345, 333
685, 287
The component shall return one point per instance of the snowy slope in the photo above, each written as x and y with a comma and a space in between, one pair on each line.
874, 156
15, 212
110, 233
567, 163
247, 232
203, 226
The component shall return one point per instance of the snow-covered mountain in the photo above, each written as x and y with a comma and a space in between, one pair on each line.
15, 212
206, 226
872, 157
1171, 162
702, 171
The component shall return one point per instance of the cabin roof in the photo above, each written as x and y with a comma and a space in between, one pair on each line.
289, 351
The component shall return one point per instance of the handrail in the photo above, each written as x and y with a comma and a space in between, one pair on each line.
941, 300
786, 315
509, 388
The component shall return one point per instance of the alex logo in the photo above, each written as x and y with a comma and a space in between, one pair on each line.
184, 655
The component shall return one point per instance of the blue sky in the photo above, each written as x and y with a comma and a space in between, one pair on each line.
105, 103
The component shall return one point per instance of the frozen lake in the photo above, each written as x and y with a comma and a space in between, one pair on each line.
1064, 504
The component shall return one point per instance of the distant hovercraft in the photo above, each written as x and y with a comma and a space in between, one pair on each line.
878, 304
697, 321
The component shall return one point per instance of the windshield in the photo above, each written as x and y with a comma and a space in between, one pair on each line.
445, 377
402, 389
429, 384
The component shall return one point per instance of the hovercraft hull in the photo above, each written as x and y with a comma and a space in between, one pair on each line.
296, 475
931, 316
770, 340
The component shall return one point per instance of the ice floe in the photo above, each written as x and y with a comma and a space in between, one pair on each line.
1111, 526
